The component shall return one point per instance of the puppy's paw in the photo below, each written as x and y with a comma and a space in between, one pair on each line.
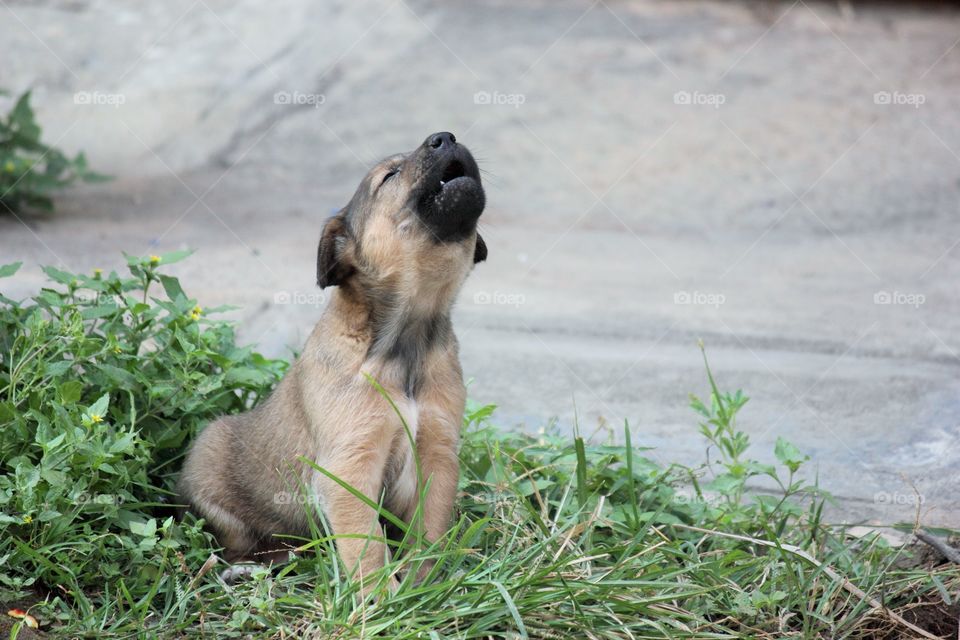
377, 592
240, 571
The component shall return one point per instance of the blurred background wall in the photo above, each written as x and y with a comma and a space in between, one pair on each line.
781, 180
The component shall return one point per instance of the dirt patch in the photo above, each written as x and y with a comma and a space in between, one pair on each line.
7, 622
938, 619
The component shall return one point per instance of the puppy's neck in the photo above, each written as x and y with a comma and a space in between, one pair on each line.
399, 331
348, 316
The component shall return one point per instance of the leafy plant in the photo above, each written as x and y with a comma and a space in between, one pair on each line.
103, 382
731, 484
31, 170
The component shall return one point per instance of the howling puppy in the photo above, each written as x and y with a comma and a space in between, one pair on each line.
398, 254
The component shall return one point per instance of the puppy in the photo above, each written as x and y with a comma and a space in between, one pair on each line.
397, 254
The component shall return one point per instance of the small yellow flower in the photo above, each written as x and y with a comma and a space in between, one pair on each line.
10, 167
96, 418
27, 519
117, 349
97, 273
154, 260
197, 312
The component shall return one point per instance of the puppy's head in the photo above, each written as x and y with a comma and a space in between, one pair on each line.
412, 221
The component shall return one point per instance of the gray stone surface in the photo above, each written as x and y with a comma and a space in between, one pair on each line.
780, 213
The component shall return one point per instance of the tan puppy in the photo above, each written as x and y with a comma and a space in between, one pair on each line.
398, 254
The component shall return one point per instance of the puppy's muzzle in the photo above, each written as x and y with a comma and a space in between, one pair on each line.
450, 196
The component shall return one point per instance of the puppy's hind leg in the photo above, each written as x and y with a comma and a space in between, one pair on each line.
205, 486
238, 540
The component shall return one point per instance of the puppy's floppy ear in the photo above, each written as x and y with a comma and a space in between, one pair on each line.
332, 268
480, 252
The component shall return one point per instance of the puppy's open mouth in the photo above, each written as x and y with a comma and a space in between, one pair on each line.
451, 196
455, 175
457, 181
453, 171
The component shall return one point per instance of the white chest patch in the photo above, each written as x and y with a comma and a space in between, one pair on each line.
411, 414
401, 484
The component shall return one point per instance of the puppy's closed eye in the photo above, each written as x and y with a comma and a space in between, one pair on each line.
389, 175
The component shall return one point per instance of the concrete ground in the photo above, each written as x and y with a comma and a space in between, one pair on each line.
779, 180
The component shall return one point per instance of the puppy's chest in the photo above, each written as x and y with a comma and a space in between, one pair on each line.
399, 479
409, 410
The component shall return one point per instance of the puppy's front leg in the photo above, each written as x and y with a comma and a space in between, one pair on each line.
360, 538
437, 443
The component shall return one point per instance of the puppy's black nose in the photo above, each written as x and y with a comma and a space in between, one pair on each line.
441, 140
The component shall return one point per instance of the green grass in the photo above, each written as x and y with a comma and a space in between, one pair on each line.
554, 537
